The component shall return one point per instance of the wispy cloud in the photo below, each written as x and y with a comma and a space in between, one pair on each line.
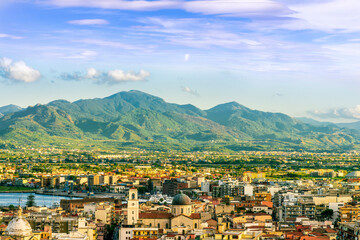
259, 8
106, 43
239, 8
190, 91
87, 54
339, 113
89, 22
4, 35
136, 5
17, 71
330, 15
111, 77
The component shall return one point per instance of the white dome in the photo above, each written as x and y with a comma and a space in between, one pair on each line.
354, 174
19, 227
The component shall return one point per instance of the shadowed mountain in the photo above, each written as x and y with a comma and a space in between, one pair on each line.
9, 109
138, 119
353, 125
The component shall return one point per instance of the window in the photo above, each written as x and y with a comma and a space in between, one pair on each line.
195, 225
167, 226
182, 210
158, 225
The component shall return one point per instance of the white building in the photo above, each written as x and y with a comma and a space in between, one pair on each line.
133, 207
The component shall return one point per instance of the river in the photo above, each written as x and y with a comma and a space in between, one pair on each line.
7, 199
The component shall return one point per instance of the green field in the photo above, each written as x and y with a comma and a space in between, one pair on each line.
15, 189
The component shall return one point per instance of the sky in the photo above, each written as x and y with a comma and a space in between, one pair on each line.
300, 58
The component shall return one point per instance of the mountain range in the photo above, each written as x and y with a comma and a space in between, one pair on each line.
134, 119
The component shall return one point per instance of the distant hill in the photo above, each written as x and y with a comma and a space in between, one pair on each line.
353, 125
315, 122
9, 109
139, 120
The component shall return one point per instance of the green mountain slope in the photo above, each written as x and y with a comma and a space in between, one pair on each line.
137, 119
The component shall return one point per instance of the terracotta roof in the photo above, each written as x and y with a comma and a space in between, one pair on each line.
155, 215
329, 230
195, 216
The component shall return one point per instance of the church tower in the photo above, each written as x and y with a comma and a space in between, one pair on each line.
133, 207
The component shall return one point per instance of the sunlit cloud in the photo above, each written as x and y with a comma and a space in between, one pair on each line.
17, 71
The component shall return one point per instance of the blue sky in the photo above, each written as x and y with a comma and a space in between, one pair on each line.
296, 57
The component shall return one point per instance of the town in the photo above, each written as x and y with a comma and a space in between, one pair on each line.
172, 195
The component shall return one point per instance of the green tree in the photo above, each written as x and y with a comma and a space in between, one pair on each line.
30, 201
12, 207
327, 214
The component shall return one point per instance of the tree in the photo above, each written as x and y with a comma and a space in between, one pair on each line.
30, 201
12, 207
327, 214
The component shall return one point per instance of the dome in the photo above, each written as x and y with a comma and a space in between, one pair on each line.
18, 226
355, 174
181, 199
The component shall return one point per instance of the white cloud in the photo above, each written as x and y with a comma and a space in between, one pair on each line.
331, 15
105, 43
259, 8
18, 71
83, 55
89, 22
92, 73
186, 57
244, 8
136, 5
116, 76
4, 35
190, 91
111, 77
339, 113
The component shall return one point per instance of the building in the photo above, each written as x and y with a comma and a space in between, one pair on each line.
133, 207
181, 204
127, 233
349, 231
19, 228
171, 187
104, 213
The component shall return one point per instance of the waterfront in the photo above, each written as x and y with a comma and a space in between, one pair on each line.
7, 199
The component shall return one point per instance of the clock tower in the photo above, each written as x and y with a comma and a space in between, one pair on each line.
133, 207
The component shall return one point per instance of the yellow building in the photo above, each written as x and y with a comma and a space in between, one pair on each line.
263, 196
145, 233
350, 212
104, 213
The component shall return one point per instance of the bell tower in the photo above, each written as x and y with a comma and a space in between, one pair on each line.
133, 207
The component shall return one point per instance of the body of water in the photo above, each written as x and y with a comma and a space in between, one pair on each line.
7, 199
